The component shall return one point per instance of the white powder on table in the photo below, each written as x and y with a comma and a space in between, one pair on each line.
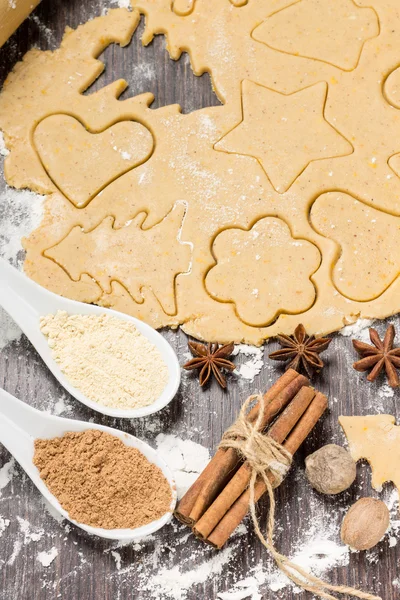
21, 211
358, 330
4, 523
185, 458
106, 358
253, 365
122, 3
6, 473
46, 558
3, 148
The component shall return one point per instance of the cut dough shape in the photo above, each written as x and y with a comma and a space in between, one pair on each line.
263, 271
82, 163
105, 252
333, 32
377, 439
183, 7
285, 133
368, 260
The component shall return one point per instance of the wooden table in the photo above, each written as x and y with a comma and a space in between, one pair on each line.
86, 568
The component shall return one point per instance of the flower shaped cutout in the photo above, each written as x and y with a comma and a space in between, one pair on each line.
263, 271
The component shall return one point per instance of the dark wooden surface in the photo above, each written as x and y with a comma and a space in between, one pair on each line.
85, 567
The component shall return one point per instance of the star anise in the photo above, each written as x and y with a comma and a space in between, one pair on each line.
379, 355
302, 350
210, 359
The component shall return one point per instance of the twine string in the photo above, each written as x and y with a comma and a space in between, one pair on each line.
266, 457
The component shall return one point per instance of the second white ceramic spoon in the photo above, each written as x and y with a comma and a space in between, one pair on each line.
20, 425
26, 301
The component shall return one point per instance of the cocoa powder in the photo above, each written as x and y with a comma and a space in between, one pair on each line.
102, 482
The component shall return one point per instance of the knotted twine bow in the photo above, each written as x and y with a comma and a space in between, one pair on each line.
266, 457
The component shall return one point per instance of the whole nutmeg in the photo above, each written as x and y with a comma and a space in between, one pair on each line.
365, 524
331, 469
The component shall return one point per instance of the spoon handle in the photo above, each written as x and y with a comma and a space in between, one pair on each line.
20, 424
22, 299
15, 417
20, 415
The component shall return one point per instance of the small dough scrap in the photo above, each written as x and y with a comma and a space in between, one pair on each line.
333, 32
377, 439
82, 163
369, 241
264, 271
284, 132
104, 252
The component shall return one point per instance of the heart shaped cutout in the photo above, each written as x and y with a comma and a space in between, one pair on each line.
81, 163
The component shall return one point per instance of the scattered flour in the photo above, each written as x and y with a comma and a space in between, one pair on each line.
60, 406
121, 3
46, 31
358, 330
6, 473
16, 550
117, 557
30, 534
3, 148
27, 534
385, 391
4, 523
246, 588
9, 331
106, 358
174, 583
252, 367
20, 213
319, 555
144, 71
185, 458
46, 558
392, 500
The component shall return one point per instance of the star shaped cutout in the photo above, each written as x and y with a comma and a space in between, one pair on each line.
284, 132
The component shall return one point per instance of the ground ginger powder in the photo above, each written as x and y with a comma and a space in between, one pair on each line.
106, 358
102, 482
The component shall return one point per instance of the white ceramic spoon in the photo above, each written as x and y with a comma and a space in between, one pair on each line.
20, 425
26, 301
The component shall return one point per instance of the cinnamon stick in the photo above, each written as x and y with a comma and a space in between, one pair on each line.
227, 462
185, 506
240, 481
238, 511
219, 470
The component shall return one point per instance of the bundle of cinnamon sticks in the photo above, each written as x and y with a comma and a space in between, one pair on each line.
219, 499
